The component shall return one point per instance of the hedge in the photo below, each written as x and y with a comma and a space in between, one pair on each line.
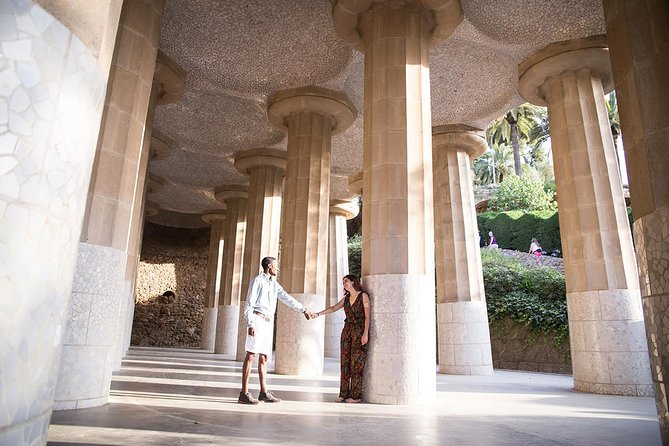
515, 229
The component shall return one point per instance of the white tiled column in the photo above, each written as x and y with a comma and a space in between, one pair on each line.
340, 211
265, 169
606, 329
91, 342
214, 273
310, 115
47, 146
235, 198
397, 235
462, 316
640, 66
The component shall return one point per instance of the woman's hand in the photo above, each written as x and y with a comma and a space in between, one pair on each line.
364, 339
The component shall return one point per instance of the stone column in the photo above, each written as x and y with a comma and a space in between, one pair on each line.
639, 48
608, 346
168, 86
214, 273
48, 146
310, 115
462, 316
265, 168
397, 235
91, 337
340, 211
235, 198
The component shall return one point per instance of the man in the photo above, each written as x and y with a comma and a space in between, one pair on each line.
259, 313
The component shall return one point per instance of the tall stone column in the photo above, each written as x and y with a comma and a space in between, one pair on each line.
608, 346
265, 169
168, 87
462, 316
214, 273
48, 146
310, 115
340, 211
91, 338
639, 48
235, 198
397, 219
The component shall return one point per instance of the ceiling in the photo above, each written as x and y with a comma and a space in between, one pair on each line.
238, 53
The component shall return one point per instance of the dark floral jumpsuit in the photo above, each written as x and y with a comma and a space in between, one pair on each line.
353, 353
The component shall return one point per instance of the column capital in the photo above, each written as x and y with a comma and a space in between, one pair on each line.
446, 15
570, 55
355, 183
231, 191
169, 78
347, 208
161, 146
154, 183
334, 104
246, 160
460, 137
213, 216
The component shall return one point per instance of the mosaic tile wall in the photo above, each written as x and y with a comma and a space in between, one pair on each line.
51, 97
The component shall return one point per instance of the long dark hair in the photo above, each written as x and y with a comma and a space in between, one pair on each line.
356, 284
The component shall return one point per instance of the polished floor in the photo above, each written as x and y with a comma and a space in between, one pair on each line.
189, 397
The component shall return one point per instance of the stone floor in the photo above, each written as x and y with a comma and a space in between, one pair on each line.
188, 397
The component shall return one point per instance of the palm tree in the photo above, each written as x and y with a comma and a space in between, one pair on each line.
494, 165
513, 126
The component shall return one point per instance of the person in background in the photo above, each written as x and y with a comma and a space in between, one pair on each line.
354, 338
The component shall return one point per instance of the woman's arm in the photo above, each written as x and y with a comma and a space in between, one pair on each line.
366, 306
338, 306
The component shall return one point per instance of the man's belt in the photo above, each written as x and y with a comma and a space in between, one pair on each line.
265, 318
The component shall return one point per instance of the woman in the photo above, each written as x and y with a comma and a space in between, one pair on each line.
354, 338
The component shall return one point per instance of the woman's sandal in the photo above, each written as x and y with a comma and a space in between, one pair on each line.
352, 400
340, 399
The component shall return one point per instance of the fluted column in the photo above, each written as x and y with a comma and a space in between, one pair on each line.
265, 169
214, 273
90, 339
340, 211
397, 235
640, 63
462, 316
235, 198
310, 115
608, 346
58, 76
168, 85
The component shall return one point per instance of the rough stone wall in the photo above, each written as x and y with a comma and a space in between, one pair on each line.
172, 259
514, 347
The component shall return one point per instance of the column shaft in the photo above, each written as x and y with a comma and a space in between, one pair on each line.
639, 47
464, 337
90, 340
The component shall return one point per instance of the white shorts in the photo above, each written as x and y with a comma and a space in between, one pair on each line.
262, 341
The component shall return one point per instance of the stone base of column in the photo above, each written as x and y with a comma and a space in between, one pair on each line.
334, 323
464, 338
652, 247
208, 336
401, 358
226, 330
608, 343
89, 342
299, 342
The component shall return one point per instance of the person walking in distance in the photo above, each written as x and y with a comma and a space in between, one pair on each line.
264, 290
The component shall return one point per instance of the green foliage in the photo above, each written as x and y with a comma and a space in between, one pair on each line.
354, 254
532, 296
522, 194
515, 229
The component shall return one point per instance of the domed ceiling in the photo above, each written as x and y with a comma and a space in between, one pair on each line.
238, 53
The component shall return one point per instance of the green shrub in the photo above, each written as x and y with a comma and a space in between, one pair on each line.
532, 296
515, 229
354, 254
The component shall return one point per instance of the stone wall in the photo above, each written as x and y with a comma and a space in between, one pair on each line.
514, 347
172, 259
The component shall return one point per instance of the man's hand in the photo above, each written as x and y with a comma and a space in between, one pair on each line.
252, 331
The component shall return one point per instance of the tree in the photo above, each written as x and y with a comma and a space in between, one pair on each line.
494, 165
512, 127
